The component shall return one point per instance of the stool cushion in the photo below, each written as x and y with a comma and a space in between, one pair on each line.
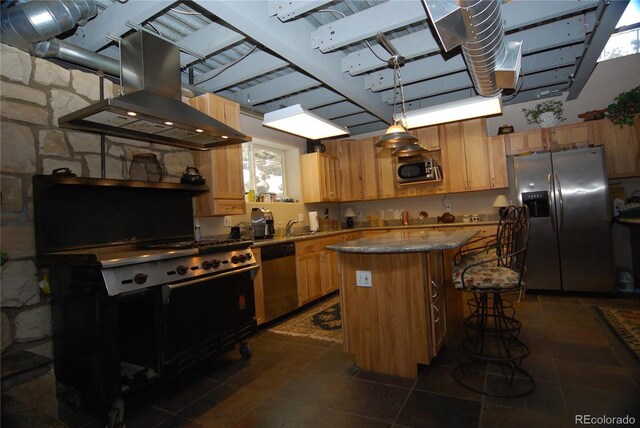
485, 277
478, 256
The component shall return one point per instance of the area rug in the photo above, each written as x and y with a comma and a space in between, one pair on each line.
626, 324
321, 322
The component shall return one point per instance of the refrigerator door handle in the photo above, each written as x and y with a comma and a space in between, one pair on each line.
560, 201
552, 207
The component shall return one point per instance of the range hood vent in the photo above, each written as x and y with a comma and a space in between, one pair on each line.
152, 109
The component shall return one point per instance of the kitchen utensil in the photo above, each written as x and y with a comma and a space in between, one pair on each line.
143, 167
447, 217
405, 218
191, 175
63, 171
423, 215
319, 148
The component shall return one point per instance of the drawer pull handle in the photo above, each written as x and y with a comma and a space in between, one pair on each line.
435, 289
437, 320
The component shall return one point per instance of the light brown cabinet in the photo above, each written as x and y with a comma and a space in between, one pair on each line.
356, 166
316, 268
385, 173
498, 162
258, 287
428, 137
222, 166
525, 142
465, 156
621, 146
436, 301
320, 182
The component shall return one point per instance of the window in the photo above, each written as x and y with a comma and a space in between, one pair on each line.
263, 169
626, 38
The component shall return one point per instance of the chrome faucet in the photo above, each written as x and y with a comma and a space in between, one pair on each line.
288, 228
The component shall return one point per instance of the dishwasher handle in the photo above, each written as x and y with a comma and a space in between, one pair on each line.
277, 251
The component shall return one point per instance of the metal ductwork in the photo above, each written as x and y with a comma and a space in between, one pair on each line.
151, 109
476, 25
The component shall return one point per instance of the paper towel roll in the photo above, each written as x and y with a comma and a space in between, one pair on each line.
314, 223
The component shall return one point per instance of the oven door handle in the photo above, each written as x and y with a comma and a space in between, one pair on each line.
167, 288
215, 276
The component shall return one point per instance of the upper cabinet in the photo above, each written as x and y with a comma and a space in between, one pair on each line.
621, 146
428, 137
221, 166
465, 156
320, 182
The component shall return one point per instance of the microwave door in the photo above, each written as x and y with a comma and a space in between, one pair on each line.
414, 171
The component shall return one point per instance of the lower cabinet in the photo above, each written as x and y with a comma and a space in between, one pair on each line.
436, 301
316, 268
258, 288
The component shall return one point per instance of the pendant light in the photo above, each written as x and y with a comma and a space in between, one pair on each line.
396, 135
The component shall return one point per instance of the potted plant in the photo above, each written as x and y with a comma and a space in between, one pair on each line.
546, 114
625, 107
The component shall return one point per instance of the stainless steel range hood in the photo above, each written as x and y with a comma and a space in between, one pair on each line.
151, 109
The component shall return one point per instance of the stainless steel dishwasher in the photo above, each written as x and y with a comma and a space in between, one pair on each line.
279, 279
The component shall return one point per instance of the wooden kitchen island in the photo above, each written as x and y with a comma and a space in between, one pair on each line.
396, 318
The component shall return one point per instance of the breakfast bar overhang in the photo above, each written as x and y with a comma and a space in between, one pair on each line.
393, 298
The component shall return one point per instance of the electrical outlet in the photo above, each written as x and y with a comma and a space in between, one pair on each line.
359, 213
363, 278
448, 206
227, 221
301, 217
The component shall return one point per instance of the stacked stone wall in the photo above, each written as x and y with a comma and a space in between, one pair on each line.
34, 93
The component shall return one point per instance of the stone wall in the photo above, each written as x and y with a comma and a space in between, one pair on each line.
34, 93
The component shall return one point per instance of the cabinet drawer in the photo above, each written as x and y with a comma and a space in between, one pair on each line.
228, 206
309, 246
332, 240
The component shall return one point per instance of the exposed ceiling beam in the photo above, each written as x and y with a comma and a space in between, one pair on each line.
333, 111
288, 10
113, 20
251, 18
381, 18
524, 12
534, 94
355, 119
367, 128
309, 100
599, 38
431, 87
255, 64
275, 88
415, 71
207, 41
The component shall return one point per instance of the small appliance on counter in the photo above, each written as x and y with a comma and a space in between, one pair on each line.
262, 222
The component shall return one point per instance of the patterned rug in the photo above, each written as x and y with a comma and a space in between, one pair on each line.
626, 324
321, 321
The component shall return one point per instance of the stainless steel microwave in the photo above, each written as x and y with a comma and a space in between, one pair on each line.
422, 170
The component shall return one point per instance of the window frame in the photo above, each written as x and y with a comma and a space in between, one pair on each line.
263, 145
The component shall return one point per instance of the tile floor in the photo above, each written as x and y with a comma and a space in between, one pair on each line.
579, 366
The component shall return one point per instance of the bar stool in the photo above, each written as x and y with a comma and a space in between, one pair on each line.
491, 268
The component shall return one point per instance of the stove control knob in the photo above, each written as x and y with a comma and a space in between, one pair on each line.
237, 259
248, 256
182, 270
206, 265
215, 263
140, 278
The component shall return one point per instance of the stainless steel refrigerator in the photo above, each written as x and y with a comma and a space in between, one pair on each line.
570, 245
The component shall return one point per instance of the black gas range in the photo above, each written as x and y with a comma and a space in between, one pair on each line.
134, 298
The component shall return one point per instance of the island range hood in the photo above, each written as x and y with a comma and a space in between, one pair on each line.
151, 109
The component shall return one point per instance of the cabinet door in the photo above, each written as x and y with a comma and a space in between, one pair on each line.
308, 277
476, 152
331, 180
437, 300
525, 142
428, 137
350, 170
498, 162
621, 146
577, 134
330, 276
453, 159
369, 175
386, 173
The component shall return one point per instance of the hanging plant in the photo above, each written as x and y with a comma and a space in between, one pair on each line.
625, 107
546, 114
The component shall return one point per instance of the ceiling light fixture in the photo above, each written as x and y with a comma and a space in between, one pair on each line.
467, 108
396, 135
299, 121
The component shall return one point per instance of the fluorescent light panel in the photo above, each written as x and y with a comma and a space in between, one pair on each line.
296, 120
454, 111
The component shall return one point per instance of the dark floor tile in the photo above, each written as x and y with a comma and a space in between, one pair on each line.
371, 399
583, 320
176, 395
296, 354
313, 387
563, 307
578, 373
311, 342
225, 366
545, 398
337, 362
570, 334
284, 412
223, 406
425, 409
557, 297
618, 301
263, 378
387, 379
178, 422
143, 416
590, 401
507, 417
439, 379
585, 352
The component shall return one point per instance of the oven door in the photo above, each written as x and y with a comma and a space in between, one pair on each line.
207, 315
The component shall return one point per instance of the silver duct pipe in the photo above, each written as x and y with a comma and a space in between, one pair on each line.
56, 48
477, 26
26, 24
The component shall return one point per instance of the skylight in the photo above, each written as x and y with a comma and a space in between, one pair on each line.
626, 40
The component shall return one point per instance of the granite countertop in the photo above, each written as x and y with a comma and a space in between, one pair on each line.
309, 235
407, 241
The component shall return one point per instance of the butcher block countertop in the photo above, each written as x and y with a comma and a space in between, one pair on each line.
406, 241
